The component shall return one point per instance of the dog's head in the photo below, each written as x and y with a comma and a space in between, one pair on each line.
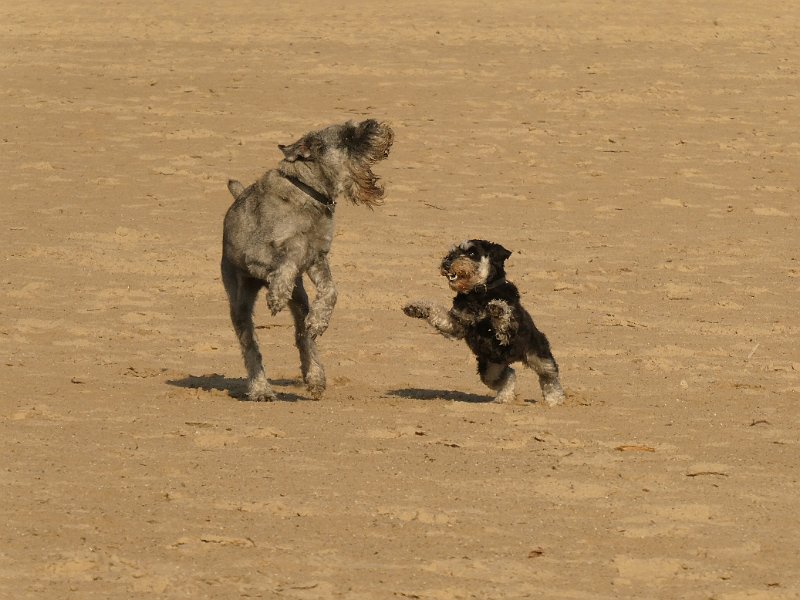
474, 265
338, 160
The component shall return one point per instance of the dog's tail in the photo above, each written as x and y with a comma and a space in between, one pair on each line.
235, 188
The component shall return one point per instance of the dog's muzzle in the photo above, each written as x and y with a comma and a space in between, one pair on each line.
446, 270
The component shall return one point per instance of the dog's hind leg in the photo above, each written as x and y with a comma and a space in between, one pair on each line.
310, 365
242, 292
541, 360
501, 378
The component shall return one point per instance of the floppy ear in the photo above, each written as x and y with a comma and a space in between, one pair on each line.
296, 151
498, 254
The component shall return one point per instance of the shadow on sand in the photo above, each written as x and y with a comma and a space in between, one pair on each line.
420, 394
235, 388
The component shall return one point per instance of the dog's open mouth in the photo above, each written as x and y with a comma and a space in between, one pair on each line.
460, 273
457, 281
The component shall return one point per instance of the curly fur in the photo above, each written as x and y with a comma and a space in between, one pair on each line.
281, 227
488, 315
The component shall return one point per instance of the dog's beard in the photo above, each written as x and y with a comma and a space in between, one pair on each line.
464, 275
373, 142
362, 185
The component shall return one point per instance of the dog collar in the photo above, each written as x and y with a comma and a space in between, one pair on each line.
327, 202
483, 288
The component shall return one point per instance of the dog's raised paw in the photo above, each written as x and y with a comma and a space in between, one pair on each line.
502, 338
275, 304
416, 310
497, 308
314, 327
315, 331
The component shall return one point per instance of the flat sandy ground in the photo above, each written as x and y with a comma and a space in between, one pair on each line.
640, 158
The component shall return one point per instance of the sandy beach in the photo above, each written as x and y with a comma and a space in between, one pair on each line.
639, 159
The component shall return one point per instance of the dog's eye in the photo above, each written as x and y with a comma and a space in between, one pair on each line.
472, 253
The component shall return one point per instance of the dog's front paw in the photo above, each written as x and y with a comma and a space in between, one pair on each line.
276, 304
315, 327
418, 310
502, 338
497, 309
501, 316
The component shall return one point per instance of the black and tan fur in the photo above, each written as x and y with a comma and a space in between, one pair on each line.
488, 315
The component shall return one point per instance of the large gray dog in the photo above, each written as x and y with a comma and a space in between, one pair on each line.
282, 226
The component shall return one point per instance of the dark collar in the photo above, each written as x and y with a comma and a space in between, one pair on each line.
485, 287
329, 203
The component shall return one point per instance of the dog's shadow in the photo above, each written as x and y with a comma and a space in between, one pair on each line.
422, 394
235, 388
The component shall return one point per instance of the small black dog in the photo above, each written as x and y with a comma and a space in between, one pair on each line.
487, 314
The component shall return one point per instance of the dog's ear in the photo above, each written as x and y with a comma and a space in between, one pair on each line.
498, 254
298, 150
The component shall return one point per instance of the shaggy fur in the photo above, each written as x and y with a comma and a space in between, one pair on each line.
281, 227
487, 313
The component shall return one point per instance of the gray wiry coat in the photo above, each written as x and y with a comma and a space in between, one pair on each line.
281, 227
272, 222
